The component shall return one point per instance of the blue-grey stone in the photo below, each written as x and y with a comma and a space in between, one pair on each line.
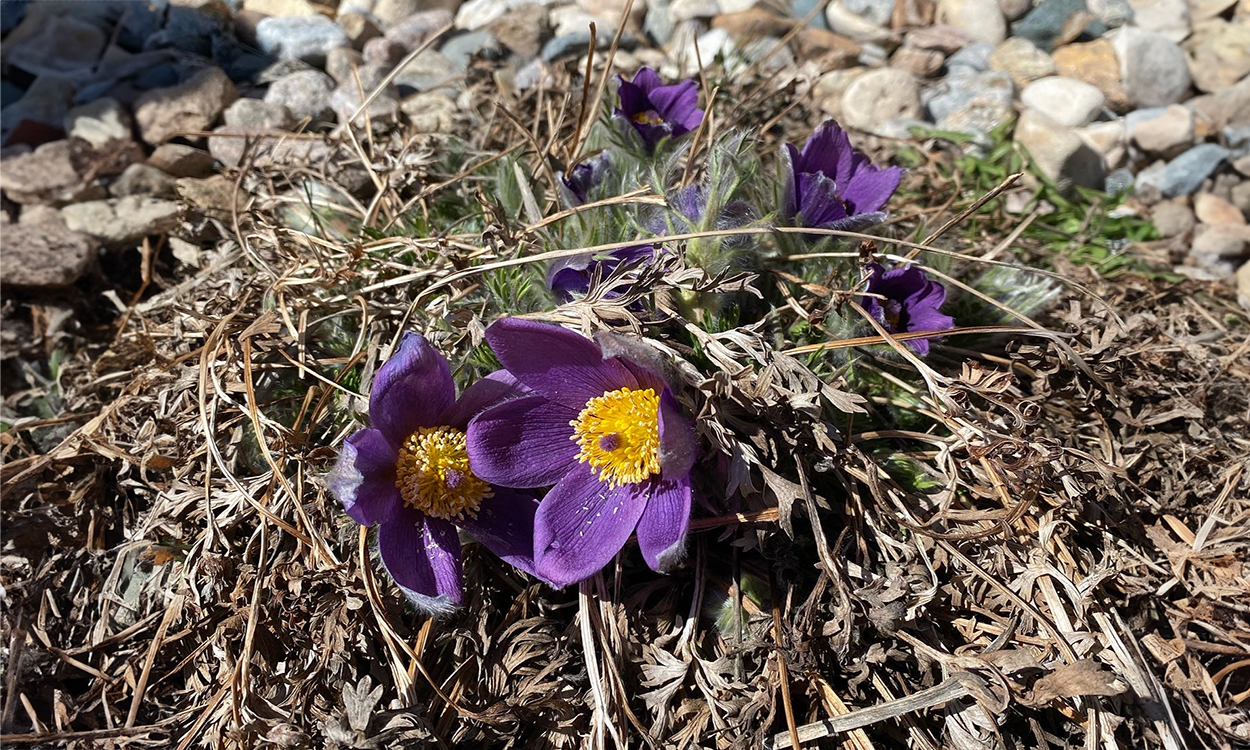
187, 30
1045, 23
158, 77
578, 43
1141, 115
138, 23
306, 38
1237, 137
1184, 174
800, 8
1118, 181
659, 23
992, 89
461, 49
11, 14
973, 58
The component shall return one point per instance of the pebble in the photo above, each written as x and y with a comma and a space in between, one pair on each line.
941, 38
879, 96
49, 44
958, 92
306, 38
1014, 10
305, 94
874, 11
832, 51
391, 12
1243, 285
1217, 248
1212, 209
346, 100
340, 62
1112, 13
1061, 154
44, 256
228, 147
800, 9
1053, 23
981, 20
920, 62
1095, 63
1109, 139
258, 113
1168, 18
1119, 181
428, 70
685, 10
1022, 60
429, 113
829, 89
843, 21
280, 7
974, 58
121, 221
142, 179
1218, 53
47, 101
1204, 10
45, 175
475, 14
710, 44
1184, 174
1172, 218
1067, 101
1152, 67
191, 106
462, 49
181, 161
1165, 132
525, 29
755, 22
99, 122
359, 29
419, 28
1229, 108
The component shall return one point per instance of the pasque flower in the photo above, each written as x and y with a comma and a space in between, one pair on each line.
570, 277
909, 301
657, 111
584, 177
410, 476
830, 185
606, 432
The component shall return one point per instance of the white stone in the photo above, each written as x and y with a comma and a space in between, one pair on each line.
879, 96
1109, 139
981, 20
1167, 134
1067, 101
846, 23
1059, 152
122, 220
99, 122
475, 14
1167, 17
1152, 67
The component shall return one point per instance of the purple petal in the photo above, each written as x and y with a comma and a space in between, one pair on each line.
411, 389
523, 443
818, 200
678, 445
582, 523
422, 554
869, 190
363, 479
633, 100
493, 389
505, 525
662, 528
824, 150
678, 104
555, 362
647, 79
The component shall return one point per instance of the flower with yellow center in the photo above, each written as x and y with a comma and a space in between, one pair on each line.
433, 475
618, 434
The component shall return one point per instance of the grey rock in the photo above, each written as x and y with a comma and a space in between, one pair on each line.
1212, 209
54, 45
9, 92
1052, 20
659, 23
306, 38
258, 113
359, 28
981, 20
391, 12
1219, 249
879, 96
181, 161
99, 122
1022, 60
1067, 101
430, 113
1108, 138
48, 100
419, 28
973, 104
385, 52
1112, 13
1184, 174
121, 221
1152, 67
1169, 18
346, 100
974, 58
142, 179
1219, 54
571, 44
305, 94
1014, 10
686, 10
461, 49
44, 256
523, 30
1172, 218
1061, 154
873, 11
536, 72
45, 175
846, 23
340, 62
1118, 181
1228, 108
801, 8
191, 106
428, 71
229, 143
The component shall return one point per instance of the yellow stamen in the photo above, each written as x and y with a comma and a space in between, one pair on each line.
650, 117
619, 435
433, 475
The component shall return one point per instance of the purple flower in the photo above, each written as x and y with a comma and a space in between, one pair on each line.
657, 111
606, 432
911, 302
831, 185
570, 277
584, 177
410, 475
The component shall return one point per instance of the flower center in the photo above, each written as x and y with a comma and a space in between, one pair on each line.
433, 475
893, 310
649, 117
619, 435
